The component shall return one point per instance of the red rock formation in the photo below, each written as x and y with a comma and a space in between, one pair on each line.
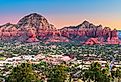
5, 34
89, 30
32, 40
32, 36
92, 41
57, 39
113, 39
81, 32
35, 27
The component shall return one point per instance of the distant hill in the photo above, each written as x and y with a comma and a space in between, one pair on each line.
35, 28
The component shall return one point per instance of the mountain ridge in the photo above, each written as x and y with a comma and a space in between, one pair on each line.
34, 27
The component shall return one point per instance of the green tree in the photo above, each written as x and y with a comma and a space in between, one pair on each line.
57, 73
117, 74
23, 73
97, 74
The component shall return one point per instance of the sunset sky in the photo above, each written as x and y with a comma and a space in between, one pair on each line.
64, 12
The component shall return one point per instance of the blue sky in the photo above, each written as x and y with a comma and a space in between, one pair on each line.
64, 12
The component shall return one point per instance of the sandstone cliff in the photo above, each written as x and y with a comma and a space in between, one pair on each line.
35, 28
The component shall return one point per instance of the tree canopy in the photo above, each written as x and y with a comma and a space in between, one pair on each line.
23, 73
57, 73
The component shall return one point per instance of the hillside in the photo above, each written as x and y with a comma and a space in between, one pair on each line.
35, 28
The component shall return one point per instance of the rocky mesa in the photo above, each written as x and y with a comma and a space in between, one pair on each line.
35, 28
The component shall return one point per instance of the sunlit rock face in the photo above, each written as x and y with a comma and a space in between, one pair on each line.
57, 39
31, 33
33, 20
113, 37
30, 28
8, 32
35, 27
87, 30
92, 41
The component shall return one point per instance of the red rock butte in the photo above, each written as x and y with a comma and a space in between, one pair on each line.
35, 28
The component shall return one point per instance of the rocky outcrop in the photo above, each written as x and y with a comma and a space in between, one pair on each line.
35, 25
57, 39
92, 41
30, 28
8, 32
86, 31
34, 28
